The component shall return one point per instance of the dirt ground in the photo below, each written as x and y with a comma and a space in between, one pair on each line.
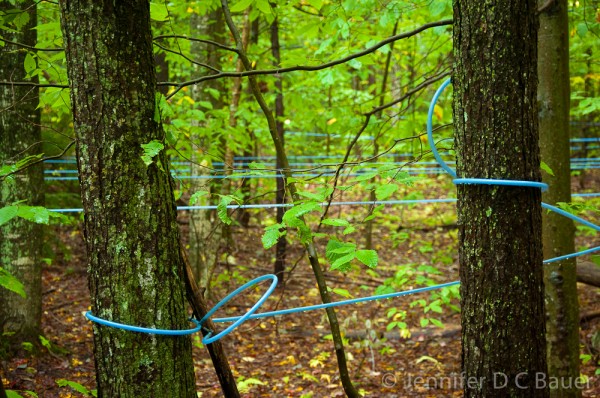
289, 356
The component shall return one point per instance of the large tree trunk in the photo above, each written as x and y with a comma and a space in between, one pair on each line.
562, 307
495, 117
136, 273
20, 240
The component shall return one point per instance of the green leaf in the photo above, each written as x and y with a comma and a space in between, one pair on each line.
546, 168
29, 64
344, 248
20, 164
272, 235
222, 209
343, 263
240, 6
21, 19
162, 108
320, 195
159, 12
74, 385
36, 214
366, 176
8, 213
385, 191
45, 342
336, 222
349, 229
342, 292
437, 7
301, 209
11, 283
151, 149
367, 257
582, 29
424, 322
196, 197
264, 7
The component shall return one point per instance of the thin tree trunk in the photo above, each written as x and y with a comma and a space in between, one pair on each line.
372, 196
20, 240
216, 350
136, 275
280, 248
236, 95
500, 247
560, 278
349, 389
204, 233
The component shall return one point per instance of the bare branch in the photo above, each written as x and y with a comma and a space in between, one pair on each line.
60, 155
211, 42
185, 57
307, 67
32, 84
14, 43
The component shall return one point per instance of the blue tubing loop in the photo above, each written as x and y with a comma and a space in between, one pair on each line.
483, 181
209, 338
237, 321
138, 329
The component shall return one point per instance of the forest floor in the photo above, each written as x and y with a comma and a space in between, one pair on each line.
290, 356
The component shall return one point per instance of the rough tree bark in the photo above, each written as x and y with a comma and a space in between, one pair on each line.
20, 240
560, 278
136, 273
500, 248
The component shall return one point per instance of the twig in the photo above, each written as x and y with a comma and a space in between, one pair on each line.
40, 161
308, 68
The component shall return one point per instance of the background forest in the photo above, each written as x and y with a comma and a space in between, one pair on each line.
307, 124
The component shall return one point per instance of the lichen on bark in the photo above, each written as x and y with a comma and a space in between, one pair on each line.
132, 238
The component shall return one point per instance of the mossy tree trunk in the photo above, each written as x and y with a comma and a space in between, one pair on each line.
20, 240
560, 278
136, 273
496, 123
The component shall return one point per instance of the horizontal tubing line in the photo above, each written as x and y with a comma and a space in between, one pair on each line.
274, 206
339, 303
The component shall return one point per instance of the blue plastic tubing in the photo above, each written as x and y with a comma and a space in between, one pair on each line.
250, 314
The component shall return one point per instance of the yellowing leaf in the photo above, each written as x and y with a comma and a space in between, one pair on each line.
438, 112
331, 121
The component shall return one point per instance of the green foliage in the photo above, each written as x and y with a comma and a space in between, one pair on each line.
151, 150
272, 235
77, 387
11, 283
222, 208
546, 168
341, 254
15, 394
7, 169
245, 384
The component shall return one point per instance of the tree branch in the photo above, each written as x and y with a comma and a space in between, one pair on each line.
32, 84
186, 57
368, 116
308, 68
60, 155
14, 43
211, 42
